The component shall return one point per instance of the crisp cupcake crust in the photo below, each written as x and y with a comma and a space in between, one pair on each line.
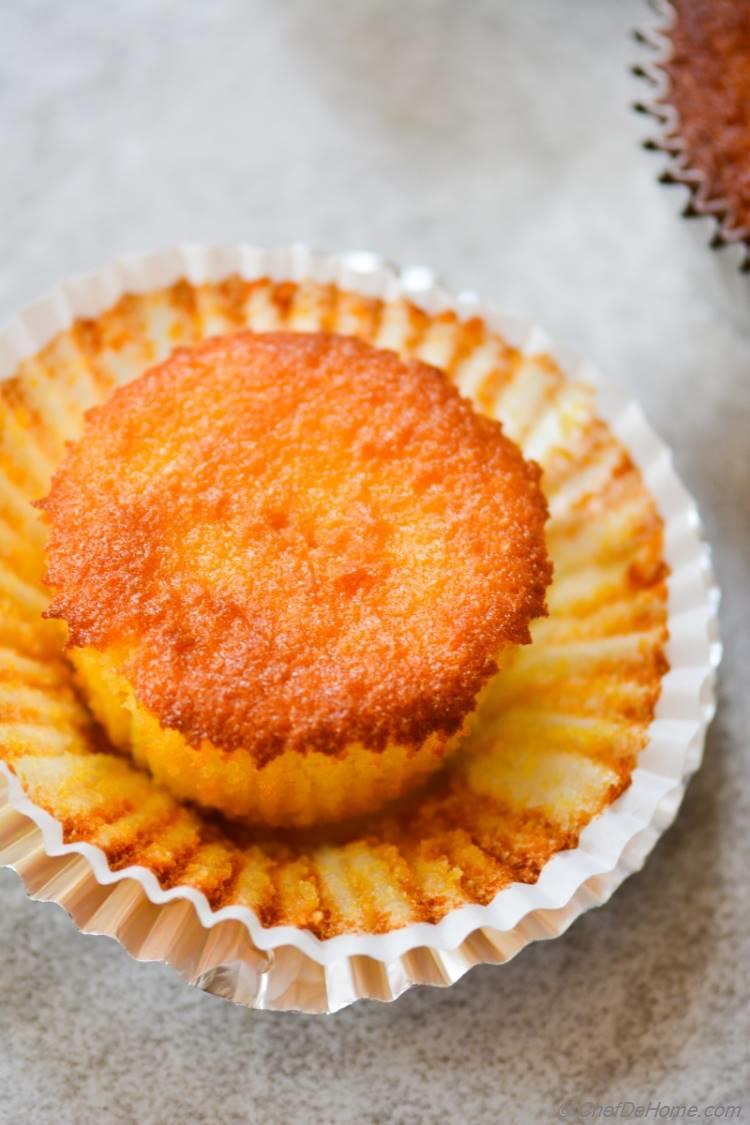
298, 542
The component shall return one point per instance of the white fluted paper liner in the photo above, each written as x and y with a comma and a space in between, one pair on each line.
228, 951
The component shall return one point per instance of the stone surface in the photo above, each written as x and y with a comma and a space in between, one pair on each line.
493, 141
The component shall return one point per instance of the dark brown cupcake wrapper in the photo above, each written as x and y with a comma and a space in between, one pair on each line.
710, 217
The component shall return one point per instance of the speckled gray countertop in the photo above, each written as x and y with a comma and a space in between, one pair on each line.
494, 142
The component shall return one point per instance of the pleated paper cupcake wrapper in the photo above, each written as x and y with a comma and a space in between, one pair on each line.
229, 951
706, 217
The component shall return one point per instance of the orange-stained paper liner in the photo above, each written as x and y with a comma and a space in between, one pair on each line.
228, 951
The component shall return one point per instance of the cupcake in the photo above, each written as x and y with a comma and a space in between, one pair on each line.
702, 74
288, 564
273, 611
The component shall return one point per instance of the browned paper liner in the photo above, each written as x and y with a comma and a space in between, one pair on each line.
228, 951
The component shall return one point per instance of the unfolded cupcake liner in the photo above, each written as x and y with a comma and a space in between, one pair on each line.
707, 219
229, 951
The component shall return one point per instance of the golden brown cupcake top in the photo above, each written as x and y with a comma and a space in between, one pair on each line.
297, 541
709, 77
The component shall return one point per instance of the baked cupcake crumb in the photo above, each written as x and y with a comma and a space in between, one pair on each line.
296, 544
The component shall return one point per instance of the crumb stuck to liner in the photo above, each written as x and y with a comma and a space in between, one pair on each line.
602, 736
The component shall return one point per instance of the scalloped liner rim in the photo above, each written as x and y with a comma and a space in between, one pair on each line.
605, 838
